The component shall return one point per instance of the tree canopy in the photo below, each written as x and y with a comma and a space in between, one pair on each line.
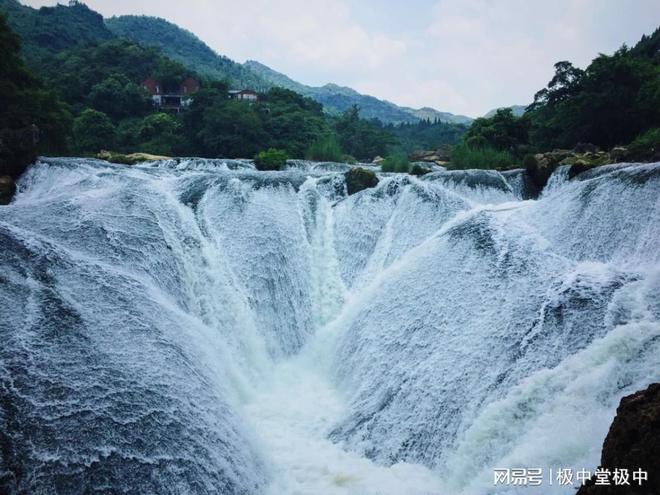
25, 102
614, 101
88, 95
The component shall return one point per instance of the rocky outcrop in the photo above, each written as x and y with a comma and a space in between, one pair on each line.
130, 159
358, 179
18, 149
7, 189
580, 159
419, 170
632, 443
541, 167
439, 156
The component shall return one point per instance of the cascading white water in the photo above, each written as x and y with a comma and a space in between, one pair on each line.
195, 326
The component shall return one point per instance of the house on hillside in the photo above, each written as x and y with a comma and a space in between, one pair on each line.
174, 99
243, 95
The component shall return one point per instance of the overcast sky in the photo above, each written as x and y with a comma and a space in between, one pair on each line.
460, 56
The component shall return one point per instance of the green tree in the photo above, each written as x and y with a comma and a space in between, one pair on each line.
93, 131
48, 30
360, 138
272, 159
24, 102
127, 139
325, 149
503, 131
119, 98
169, 73
395, 163
74, 73
466, 157
615, 99
227, 129
426, 135
292, 122
161, 134
646, 146
566, 83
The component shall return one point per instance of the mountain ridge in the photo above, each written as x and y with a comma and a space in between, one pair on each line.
75, 25
184, 47
343, 97
48, 30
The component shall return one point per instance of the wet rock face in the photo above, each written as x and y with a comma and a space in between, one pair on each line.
358, 179
439, 156
633, 443
7, 189
540, 170
582, 158
18, 149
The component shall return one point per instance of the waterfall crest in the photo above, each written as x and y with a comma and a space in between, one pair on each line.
196, 326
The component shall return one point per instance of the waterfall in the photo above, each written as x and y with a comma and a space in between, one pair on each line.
196, 326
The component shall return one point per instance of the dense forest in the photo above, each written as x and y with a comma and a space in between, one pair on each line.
184, 47
26, 105
615, 101
425, 134
80, 84
97, 86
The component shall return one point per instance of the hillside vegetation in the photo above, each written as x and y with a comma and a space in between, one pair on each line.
49, 30
337, 99
615, 101
183, 46
82, 86
186, 48
24, 103
90, 98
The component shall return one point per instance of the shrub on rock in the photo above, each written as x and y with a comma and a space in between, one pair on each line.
273, 159
646, 146
395, 163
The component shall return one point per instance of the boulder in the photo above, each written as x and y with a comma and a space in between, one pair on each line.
378, 160
421, 156
585, 147
619, 154
130, 159
440, 155
540, 169
443, 154
7, 189
358, 179
577, 168
632, 443
419, 170
18, 149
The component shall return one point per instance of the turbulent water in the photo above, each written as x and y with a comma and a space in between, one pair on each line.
195, 326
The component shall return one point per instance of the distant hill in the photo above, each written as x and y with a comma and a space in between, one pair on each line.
51, 29
183, 46
427, 113
517, 110
339, 98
